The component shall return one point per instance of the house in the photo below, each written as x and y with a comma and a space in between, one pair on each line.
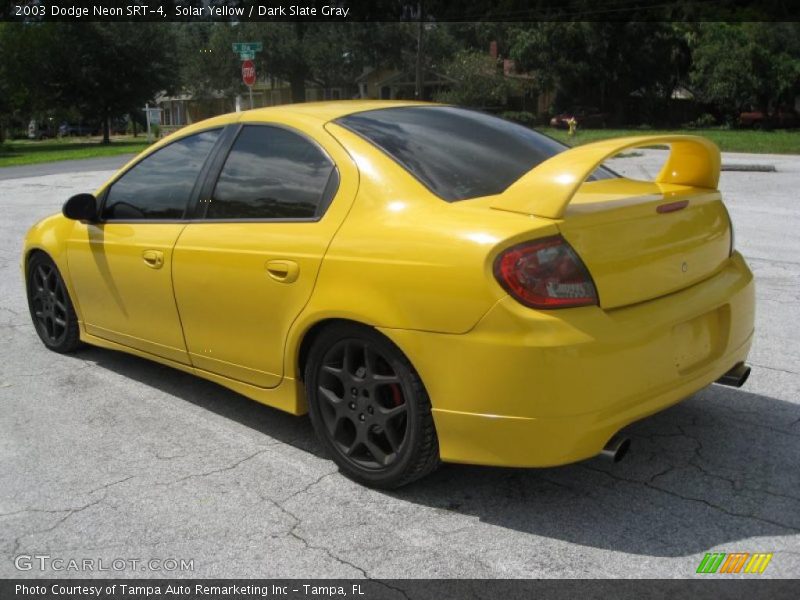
185, 108
374, 83
391, 84
525, 96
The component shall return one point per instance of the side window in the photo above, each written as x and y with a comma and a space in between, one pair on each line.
159, 186
272, 173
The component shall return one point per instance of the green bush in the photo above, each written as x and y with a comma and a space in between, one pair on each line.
478, 81
703, 121
522, 117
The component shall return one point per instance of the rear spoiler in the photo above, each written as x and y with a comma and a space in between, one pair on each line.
547, 189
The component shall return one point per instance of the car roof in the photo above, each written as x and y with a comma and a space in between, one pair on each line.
317, 111
328, 111
321, 112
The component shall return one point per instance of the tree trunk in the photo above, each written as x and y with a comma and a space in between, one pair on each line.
298, 86
297, 81
419, 84
106, 129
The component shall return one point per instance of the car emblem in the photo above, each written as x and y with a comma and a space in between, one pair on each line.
684, 267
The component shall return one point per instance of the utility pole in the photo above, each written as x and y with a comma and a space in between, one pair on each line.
419, 75
147, 118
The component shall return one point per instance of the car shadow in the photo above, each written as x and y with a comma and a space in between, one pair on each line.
716, 469
278, 425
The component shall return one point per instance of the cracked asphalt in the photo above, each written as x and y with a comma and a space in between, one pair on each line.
105, 456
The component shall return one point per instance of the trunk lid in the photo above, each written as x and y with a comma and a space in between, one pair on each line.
643, 240
639, 240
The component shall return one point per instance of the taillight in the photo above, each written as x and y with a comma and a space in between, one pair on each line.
545, 273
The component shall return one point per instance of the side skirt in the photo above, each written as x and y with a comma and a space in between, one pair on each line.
288, 395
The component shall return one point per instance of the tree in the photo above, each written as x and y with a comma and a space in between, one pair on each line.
330, 54
288, 51
479, 82
5, 83
103, 70
739, 64
14, 90
207, 62
601, 64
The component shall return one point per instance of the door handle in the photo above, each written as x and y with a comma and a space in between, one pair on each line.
284, 271
153, 258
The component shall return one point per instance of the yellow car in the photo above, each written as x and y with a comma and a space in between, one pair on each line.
430, 283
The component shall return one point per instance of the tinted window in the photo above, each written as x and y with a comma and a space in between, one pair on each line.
159, 186
456, 153
272, 173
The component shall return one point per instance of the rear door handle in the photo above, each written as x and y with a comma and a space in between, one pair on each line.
153, 258
284, 271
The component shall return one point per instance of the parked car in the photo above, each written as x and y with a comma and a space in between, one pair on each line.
39, 130
80, 129
783, 118
584, 117
412, 276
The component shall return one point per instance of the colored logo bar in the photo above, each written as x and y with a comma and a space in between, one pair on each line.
734, 562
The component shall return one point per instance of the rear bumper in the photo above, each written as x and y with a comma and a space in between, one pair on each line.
541, 388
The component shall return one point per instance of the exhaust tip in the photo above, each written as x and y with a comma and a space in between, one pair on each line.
736, 376
616, 448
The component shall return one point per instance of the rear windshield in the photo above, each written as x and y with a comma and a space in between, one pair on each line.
457, 153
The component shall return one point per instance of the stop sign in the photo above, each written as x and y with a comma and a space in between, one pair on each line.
248, 72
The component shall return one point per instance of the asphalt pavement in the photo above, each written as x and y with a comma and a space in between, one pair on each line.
107, 456
105, 163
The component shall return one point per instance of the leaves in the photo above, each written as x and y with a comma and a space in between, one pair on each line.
600, 64
735, 65
479, 81
99, 69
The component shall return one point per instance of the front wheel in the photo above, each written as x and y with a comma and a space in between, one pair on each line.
51, 308
369, 408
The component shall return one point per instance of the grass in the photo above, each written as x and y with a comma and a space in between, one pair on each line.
26, 152
780, 141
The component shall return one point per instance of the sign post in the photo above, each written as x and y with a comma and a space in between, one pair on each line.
149, 113
249, 77
247, 52
240, 47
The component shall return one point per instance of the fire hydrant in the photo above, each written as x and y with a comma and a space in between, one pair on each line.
572, 123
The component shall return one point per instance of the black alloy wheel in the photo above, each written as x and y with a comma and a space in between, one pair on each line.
369, 407
51, 308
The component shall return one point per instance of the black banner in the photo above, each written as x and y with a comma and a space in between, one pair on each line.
396, 10
389, 589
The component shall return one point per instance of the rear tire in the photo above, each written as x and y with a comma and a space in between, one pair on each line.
369, 407
50, 305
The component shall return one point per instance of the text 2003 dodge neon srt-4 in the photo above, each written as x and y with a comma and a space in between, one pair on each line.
430, 283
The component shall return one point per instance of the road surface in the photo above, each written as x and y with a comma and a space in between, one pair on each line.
103, 455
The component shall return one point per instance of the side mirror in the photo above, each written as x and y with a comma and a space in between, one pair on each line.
81, 207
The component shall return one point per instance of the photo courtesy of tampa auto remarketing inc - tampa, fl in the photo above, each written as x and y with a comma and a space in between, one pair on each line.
399, 300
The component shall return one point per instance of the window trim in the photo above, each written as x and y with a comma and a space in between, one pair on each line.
192, 195
200, 209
